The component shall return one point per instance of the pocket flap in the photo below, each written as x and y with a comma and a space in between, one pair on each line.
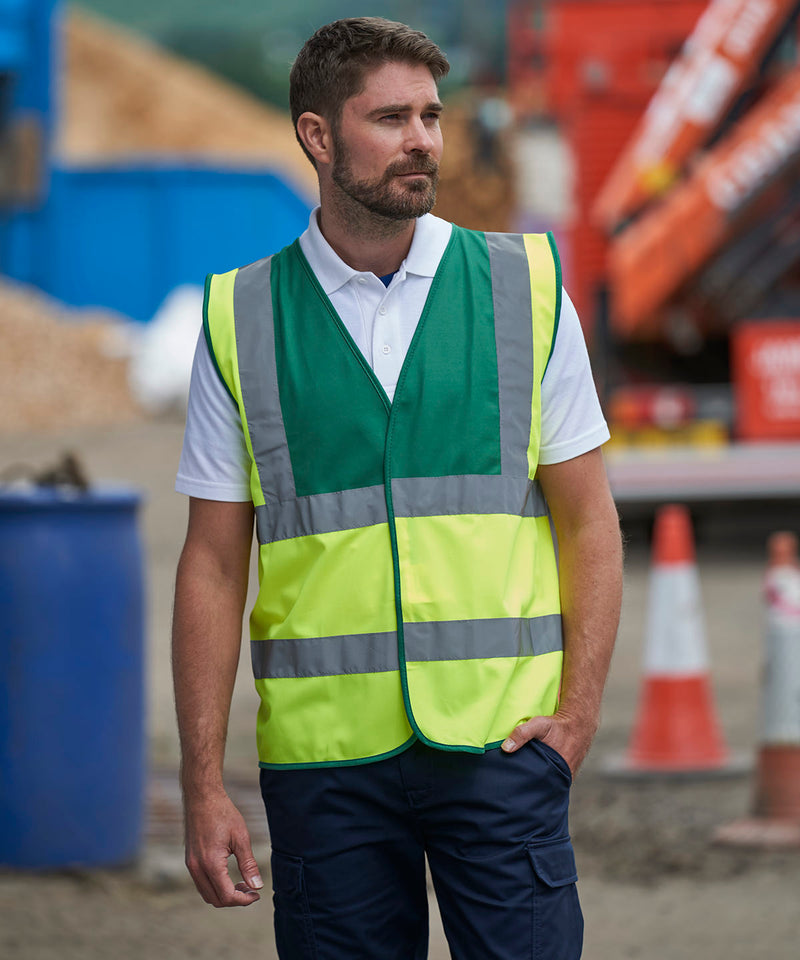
553, 861
287, 874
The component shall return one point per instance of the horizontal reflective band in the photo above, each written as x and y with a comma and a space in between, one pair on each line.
321, 513
324, 656
377, 652
453, 496
482, 639
412, 496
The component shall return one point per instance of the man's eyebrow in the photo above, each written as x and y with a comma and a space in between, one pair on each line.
434, 105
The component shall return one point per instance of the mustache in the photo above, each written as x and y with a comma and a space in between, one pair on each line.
422, 164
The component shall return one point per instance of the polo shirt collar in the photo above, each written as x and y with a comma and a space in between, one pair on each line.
431, 236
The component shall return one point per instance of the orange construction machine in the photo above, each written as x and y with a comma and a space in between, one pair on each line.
697, 197
717, 64
682, 121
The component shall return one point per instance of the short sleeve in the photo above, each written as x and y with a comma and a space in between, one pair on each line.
214, 462
572, 420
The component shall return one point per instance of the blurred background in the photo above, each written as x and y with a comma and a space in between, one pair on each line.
144, 145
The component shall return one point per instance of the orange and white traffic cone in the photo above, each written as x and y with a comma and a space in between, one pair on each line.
676, 729
776, 806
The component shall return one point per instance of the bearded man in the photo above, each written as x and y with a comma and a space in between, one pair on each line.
405, 408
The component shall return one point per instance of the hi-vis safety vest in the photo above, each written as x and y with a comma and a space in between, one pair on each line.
408, 581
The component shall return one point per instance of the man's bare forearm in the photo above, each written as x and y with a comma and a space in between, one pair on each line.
590, 565
210, 593
205, 654
590, 584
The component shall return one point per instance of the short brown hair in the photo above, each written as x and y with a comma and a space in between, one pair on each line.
333, 63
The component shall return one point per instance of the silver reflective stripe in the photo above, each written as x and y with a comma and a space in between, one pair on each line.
412, 496
324, 656
321, 513
447, 496
377, 652
511, 295
482, 639
255, 346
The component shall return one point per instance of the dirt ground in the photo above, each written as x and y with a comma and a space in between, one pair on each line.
652, 882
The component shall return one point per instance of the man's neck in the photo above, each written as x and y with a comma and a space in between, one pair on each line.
365, 241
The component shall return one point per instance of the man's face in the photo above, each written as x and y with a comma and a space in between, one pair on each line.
387, 144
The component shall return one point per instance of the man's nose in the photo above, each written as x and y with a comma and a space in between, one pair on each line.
419, 137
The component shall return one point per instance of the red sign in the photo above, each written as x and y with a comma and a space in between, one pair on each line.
766, 378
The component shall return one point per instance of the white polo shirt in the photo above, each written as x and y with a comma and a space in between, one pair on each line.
381, 320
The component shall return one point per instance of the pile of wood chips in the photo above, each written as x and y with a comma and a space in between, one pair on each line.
122, 97
57, 366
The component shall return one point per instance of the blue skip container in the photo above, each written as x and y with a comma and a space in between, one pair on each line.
72, 744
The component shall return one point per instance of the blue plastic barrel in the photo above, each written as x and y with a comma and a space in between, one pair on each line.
72, 746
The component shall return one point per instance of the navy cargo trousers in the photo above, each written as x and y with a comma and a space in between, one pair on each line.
349, 847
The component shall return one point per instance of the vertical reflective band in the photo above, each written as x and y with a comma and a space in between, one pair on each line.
258, 377
511, 295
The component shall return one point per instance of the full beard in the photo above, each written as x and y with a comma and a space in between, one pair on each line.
388, 196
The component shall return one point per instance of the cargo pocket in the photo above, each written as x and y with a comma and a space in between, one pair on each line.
557, 916
294, 930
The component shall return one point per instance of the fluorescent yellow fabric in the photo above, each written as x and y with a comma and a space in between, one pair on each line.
373, 724
441, 580
516, 688
311, 577
385, 578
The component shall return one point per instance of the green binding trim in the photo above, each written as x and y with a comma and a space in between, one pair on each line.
381, 756
557, 262
339, 763
207, 333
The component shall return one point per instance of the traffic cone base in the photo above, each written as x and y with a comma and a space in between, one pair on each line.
759, 833
677, 728
778, 783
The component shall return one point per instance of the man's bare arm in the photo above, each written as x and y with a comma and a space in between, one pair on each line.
590, 578
210, 594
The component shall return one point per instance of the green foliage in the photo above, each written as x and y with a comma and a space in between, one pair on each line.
243, 58
253, 42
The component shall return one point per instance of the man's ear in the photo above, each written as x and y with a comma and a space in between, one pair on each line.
316, 134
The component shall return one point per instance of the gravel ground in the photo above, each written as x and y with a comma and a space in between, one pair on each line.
653, 883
